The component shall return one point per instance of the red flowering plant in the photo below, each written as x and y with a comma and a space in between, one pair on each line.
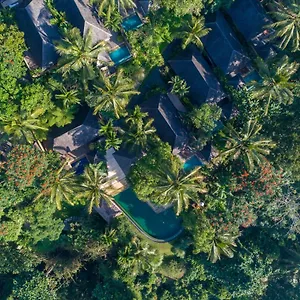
27, 167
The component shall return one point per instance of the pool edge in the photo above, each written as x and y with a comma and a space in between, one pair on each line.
141, 230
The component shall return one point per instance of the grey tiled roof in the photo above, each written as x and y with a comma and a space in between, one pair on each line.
80, 15
40, 34
78, 136
192, 67
249, 17
166, 121
222, 45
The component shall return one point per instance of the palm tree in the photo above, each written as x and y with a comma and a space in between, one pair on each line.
113, 20
222, 244
109, 237
136, 118
21, 125
179, 86
193, 32
138, 256
79, 54
276, 82
176, 186
110, 134
287, 27
95, 186
138, 137
106, 7
68, 97
247, 145
112, 93
62, 187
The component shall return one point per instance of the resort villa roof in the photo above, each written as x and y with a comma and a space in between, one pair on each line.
192, 67
250, 19
223, 47
125, 160
80, 15
34, 21
78, 136
166, 121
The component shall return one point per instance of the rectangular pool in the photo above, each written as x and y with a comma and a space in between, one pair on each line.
120, 55
132, 22
192, 163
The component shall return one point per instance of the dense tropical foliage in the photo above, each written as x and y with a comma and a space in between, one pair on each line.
239, 209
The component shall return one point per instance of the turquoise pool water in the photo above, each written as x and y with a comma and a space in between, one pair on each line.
132, 22
162, 226
253, 76
192, 163
120, 55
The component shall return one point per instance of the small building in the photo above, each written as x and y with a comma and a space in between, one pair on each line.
193, 68
166, 121
80, 15
250, 19
223, 48
35, 21
74, 143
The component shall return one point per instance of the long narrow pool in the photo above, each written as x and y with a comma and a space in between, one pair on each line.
160, 227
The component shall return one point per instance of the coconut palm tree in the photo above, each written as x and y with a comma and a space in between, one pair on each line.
179, 86
62, 187
79, 54
287, 26
247, 144
94, 186
112, 93
222, 244
113, 20
110, 134
138, 257
178, 187
276, 84
21, 125
193, 32
68, 97
136, 118
106, 7
138, 137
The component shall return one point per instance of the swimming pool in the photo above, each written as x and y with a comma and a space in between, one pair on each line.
192, 163
79, 165
252, 76
120, 55
132, 22
160, 227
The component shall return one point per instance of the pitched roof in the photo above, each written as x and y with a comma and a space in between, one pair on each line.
80, 15
192, 67
78, 136
125, 160
223, 47
34, 21
249, 17
166, 121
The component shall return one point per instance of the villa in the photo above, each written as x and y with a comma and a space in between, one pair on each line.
74, 143
166, 121
35, 21
80, 15
193, 68
245, 12
223, 48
